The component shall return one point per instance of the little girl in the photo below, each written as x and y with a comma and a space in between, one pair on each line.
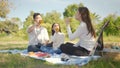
57, 39
57, 36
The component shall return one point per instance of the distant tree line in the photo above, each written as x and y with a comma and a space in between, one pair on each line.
11, 26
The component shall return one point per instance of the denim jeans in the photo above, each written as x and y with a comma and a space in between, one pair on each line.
50, 50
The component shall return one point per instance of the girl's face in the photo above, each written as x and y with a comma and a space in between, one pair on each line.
56, 27
78, 16
38, 19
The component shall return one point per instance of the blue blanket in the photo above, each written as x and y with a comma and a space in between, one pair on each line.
57, 58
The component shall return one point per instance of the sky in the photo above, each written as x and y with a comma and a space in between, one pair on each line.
22, 8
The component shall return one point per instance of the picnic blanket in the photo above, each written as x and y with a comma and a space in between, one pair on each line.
55, 58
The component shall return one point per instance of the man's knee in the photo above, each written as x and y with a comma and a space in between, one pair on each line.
32, 48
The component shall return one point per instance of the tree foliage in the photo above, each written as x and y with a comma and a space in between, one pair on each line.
5, 6
28, 20
52, 17
70, 10
8, 27
113, 27
55, 17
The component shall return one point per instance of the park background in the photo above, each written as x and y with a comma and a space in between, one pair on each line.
16, 16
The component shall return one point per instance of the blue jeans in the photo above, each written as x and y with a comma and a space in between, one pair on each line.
50, 50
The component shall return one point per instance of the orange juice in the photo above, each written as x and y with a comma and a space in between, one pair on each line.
57, 29
31, 54
41, 21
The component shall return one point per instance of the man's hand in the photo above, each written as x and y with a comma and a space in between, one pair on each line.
31, 29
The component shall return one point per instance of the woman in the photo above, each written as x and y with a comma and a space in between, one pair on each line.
84, 32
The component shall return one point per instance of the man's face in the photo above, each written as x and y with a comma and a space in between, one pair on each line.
38, 19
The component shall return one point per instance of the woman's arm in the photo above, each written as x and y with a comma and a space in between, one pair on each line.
71, 35
74, 35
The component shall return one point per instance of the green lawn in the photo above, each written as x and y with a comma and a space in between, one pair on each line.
8, 60
17, 61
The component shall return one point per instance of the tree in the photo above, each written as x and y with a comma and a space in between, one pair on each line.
52, 17
95, 19
5, 6
113, 26
117, 25
71, 10
2, 26
8, 27
17, 21
29, 20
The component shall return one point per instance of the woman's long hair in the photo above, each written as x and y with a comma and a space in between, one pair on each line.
85, 16
53, 30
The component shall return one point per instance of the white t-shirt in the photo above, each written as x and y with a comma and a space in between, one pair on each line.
38, 35
57, 39
85, 40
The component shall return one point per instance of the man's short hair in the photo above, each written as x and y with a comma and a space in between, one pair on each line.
36, 14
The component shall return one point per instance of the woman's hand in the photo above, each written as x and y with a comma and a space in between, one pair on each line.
67, 21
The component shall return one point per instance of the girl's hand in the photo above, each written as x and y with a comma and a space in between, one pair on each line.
57, 29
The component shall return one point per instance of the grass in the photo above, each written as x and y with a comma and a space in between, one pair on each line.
12, 46
103, 63
8, 60
111, 38
16, 61
16, 38
10, 38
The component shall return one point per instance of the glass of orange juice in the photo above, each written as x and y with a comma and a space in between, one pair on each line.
41, 21
57, 29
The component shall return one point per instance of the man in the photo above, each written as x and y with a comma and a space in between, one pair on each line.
38, 34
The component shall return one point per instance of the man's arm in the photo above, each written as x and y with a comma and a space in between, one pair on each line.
30, 29
46, 36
